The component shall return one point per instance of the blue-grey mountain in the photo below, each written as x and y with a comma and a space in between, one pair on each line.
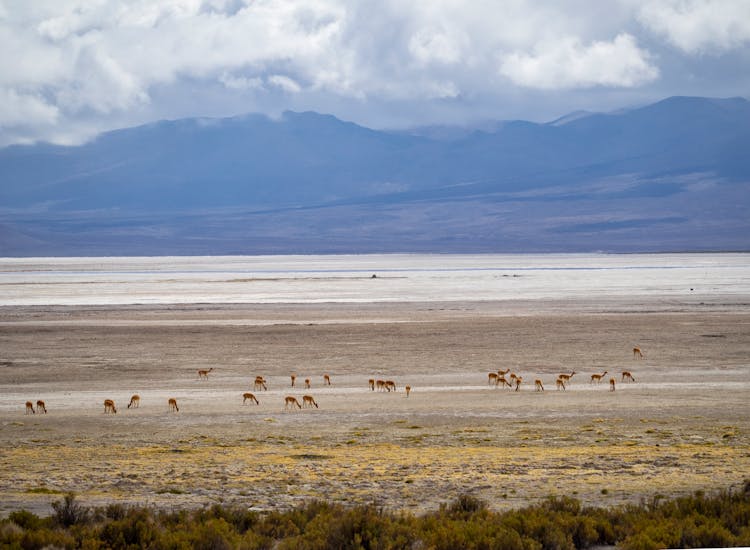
674, 175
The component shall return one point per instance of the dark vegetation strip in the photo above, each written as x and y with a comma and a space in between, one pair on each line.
717, 520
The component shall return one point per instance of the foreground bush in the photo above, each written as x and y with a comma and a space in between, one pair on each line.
719, 520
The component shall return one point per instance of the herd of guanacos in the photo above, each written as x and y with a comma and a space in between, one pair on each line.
494, 378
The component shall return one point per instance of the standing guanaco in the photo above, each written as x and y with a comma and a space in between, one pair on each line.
611, 384
408, 390
204, 373
596, 378
560, 383
538, 385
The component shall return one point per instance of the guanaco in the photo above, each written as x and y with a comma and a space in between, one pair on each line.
560, 383
250, 396
40, 406
596, 378
371, 383
204, 373
293, 379
492, 379
611, 384
173, 405
308, 401
626, 375
109, 406
538, 385
135, 401
566, 377
390, 385
501, 381
260, 383
290, 402
637, 353
307, 383
408, 390
326, 380
518, 383
381, 385
30, 407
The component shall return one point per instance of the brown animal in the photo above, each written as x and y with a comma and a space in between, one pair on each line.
260, 383
390, 385
381, 385
501, 381
293, 379
492, 379
204, 373
611, 384
250, 396
308, 401
538, 385
566, 377
173, 405
109, 406
326, 380
596, 378
40, 406
135, 401
290, 402
408, 390
637, 353
519, 380
30, 407
627, 376
307, 383
371, 383
560, 384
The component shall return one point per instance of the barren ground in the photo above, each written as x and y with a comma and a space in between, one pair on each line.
683, 425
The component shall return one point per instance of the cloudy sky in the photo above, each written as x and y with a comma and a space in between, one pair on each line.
72, 68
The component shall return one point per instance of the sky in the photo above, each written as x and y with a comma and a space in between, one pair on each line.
70, 69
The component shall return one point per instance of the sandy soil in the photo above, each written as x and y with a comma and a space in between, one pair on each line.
683, 425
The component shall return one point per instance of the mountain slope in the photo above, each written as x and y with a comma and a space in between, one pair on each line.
310, 182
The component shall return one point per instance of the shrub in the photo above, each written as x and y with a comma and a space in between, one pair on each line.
68, 512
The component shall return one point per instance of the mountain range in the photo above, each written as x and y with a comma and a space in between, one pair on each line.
673, 175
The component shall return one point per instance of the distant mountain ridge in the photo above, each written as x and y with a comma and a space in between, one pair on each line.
311, 182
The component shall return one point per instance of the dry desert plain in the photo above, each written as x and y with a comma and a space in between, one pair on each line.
683, 425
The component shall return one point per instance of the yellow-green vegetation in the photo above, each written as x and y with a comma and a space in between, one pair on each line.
695, 521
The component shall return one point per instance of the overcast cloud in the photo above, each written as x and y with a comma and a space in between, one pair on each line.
70, 69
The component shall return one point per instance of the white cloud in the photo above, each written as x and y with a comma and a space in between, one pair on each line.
18, 109
567, 63
285, 83
698, 26
240, 82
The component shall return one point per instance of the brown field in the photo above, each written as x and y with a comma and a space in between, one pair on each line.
683, 425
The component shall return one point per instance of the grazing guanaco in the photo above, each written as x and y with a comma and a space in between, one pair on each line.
326, 380
250, 396
308, 401
260, 383
307, 383
513, 377
626, 375
566, 377
390, 385
135, 401
538, 385
40, 406
173, 405
408, 390
30, 407
293, 377
492, 379
611, 384
560, 383
371, 383
109, 406
637, 353
204, 373
596, 378
290, 401
518, 383
501, 381
381, 385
